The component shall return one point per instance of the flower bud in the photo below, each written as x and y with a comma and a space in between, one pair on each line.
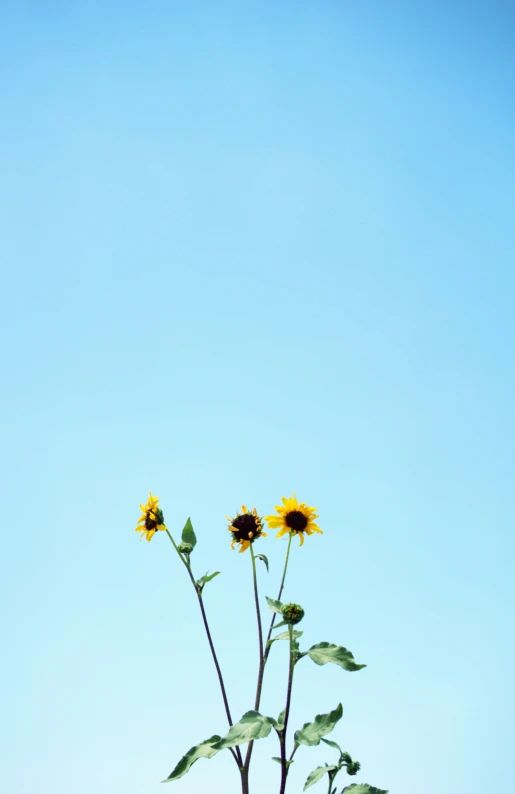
353, 768
185, 548
292, 613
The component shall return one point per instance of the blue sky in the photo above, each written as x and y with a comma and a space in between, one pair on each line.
249, 249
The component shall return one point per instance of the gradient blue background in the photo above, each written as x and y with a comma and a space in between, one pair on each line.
251, 248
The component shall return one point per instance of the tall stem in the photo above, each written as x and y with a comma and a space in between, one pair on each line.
258, 612
284, 764
264, 656
236, 753
268, 647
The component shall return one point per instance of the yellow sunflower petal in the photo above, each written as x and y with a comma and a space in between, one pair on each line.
274, 522
244, 545
284, 531
301, 537
293, 502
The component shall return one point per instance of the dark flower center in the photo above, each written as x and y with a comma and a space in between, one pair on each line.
243, 525
150, 522
296, 520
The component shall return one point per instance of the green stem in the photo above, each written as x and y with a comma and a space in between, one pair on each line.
264, 656
267, 646
284, 765
332, 777
236, 754
245, 770
256, 599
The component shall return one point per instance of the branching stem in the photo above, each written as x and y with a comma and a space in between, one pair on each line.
264, 654
235, 753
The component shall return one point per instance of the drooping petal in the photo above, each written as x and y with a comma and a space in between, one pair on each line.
283, 531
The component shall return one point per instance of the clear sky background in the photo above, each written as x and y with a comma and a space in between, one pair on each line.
251, 248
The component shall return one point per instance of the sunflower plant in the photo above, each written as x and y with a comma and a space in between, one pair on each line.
292, 518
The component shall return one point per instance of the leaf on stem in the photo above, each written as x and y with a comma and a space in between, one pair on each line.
364, 788
333, 744
279, 761
286, 636
325, 652
280, 721
188, 535
311, 733
205, 749
264, 558
206, 578
252, 725
274, 605
317, 774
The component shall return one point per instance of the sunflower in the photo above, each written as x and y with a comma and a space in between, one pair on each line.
245, 528
294, 519
151, 519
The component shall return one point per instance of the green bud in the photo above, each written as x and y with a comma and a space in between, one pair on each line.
346, 758
353, 768
185, 548
292, 613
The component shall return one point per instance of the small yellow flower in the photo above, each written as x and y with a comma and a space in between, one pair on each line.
245, 528
151, 519
294, 519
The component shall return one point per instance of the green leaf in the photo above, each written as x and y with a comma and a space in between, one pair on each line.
188, 535
264, 558
311, 733
206, 578
278, 625
205, 749
274, 605
252, 725
280, 721
364, 788
333, 744
291, 761
325, 652
317, 774
286, 636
